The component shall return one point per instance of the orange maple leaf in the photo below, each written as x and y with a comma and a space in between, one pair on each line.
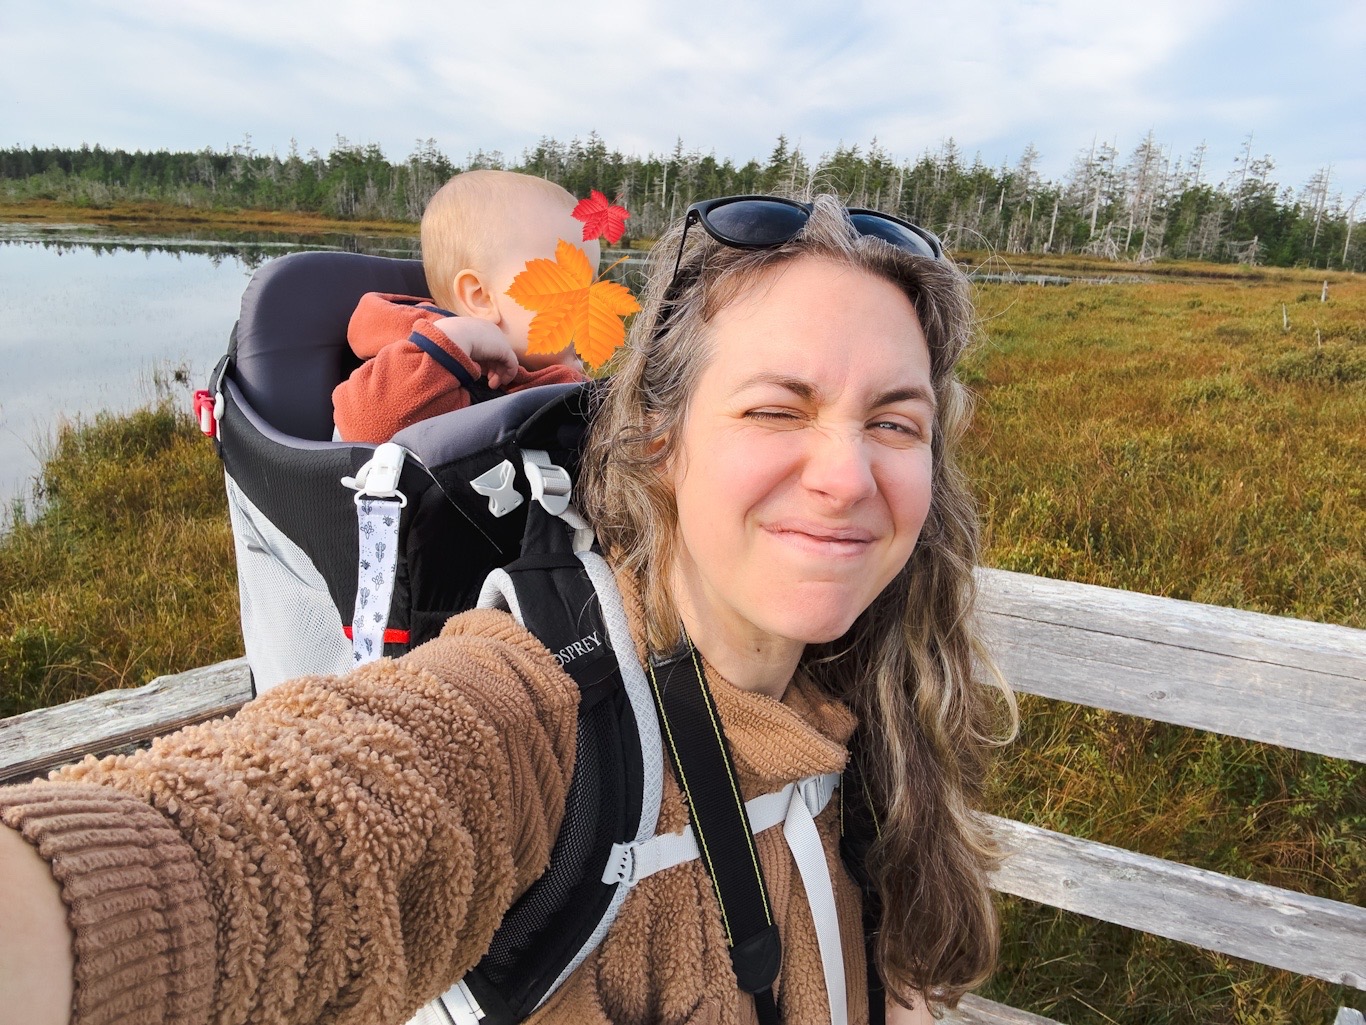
601, 218
571, 307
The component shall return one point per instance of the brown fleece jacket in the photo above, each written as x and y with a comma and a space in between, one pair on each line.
343, 849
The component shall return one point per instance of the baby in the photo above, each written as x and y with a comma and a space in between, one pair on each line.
426, 357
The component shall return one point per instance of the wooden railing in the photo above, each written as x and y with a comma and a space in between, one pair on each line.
1288, 682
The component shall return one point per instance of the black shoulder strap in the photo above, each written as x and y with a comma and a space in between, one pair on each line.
545, 929
560, 606
706, 774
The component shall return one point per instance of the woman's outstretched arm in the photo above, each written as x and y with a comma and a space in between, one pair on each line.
343, 848
35, 942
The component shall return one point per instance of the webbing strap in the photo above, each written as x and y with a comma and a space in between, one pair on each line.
799, 829
795, 807
702, 763
445, 359
376, 567
632, 862
479, 391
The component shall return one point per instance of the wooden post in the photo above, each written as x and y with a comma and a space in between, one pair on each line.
1323, 296
1285, 319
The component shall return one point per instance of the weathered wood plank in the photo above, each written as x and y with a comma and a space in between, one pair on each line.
1281, 928
36, 742
1283, 681
974, 1010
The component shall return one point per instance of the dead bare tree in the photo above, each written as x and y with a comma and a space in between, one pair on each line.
1316, 192
1351, 219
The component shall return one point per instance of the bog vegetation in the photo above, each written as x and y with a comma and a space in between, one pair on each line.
1197, 439
1201, 441
1144, 206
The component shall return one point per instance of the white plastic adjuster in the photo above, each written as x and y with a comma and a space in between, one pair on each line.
550, 484
816, 791
621, 865
498, 485
378, 478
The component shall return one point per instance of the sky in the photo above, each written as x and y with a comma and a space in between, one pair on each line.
724, 76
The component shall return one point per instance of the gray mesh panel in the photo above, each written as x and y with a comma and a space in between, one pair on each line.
289, 625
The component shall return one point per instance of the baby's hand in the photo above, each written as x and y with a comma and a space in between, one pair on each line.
484, 344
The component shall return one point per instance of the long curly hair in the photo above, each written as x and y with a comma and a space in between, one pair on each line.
929, 700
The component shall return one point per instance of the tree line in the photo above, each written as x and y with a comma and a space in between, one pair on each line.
1145, 206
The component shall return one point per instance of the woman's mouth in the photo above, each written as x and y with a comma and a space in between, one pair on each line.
819, 539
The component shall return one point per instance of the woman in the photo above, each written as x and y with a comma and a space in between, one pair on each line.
772, 478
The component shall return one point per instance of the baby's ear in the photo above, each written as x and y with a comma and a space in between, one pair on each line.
472, 296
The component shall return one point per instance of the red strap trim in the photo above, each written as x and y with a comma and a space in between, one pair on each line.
391, 636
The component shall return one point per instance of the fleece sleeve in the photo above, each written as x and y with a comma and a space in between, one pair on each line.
412, 371
342, 850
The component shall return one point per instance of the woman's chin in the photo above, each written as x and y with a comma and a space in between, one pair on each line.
818, 626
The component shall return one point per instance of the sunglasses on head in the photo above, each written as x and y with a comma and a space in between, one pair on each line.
761, 222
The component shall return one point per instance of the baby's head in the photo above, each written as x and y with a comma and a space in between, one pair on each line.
479, 231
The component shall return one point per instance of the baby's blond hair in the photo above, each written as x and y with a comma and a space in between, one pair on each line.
466, 219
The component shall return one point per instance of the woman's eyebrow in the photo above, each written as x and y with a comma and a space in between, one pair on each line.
798, 386
804, 389
913, 393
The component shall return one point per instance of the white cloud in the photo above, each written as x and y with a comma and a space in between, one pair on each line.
728, 76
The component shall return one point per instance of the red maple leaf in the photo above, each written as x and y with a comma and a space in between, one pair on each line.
601, 217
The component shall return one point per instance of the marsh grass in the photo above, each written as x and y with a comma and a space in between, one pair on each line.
124, 571
1173, 438
1167, 437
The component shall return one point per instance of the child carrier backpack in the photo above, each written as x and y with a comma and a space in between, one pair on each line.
346, 551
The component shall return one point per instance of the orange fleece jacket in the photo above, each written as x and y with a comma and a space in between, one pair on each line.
343, 849
399, 383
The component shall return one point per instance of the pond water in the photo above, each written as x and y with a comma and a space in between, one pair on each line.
92, 320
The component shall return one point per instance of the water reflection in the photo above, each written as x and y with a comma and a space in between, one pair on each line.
91, 318
249, 248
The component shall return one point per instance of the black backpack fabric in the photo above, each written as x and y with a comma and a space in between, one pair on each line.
296, 534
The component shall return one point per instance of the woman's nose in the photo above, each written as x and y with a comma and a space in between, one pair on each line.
839, 466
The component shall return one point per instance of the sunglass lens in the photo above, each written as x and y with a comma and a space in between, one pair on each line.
890, 231
755, 223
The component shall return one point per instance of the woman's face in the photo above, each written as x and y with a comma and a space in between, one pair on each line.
803, 471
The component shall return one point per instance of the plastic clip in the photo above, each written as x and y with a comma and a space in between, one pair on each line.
550, 484
816, 791
621, 865
498, 486
208, 410
378, 478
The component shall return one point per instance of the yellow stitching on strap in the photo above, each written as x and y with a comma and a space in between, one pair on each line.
701, 840
734, 787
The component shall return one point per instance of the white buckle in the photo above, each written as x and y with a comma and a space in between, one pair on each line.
550, 484
498, 486
378, 478
621, 865
816, 791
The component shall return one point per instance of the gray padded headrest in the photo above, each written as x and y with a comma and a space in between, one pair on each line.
291, 335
